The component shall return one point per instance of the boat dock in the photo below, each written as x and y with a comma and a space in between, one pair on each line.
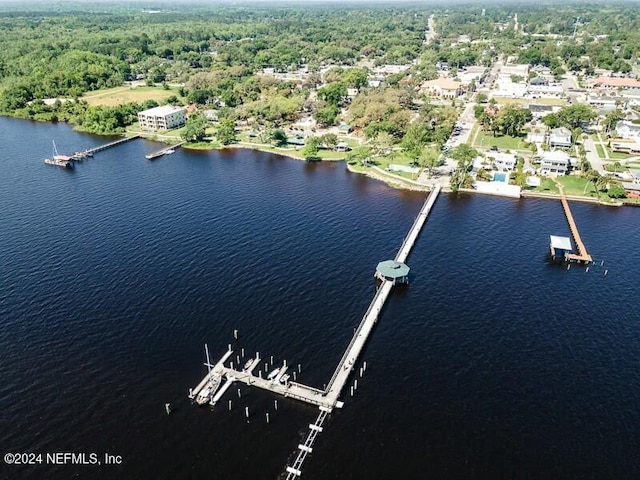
328, 398
162, 151
89, 152
582, 255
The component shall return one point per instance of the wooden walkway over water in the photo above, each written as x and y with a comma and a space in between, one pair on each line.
162, 151
582, 255
89, 152
328, 398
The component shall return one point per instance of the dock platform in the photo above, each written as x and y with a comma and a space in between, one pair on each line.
163, 151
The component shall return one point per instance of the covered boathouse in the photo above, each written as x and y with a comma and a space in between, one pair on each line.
559, 246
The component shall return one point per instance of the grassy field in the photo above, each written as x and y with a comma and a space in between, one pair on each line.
527, 101
487, 140
575, 185
546, 186
124, 94
600, 151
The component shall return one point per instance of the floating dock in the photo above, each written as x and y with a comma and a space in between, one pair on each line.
162, 151
328, 398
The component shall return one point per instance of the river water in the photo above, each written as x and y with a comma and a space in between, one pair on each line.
492, 364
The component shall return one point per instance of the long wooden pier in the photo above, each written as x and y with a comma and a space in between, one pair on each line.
328, 398
89, 152
582, 255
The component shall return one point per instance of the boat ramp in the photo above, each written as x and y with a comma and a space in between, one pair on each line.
328, 398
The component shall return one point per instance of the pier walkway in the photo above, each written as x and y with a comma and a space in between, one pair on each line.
162, 151
582, 255
89, 152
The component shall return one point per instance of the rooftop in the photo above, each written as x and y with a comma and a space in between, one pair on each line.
393, 269
162, 110
561, 243
616, 82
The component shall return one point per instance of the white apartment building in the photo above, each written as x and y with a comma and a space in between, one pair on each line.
165, 117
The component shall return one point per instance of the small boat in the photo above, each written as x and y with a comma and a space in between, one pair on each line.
273, 374
169, 151
284, 379
209, 390
59, 160
248, 364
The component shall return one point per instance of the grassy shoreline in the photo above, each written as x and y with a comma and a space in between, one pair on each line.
391, 180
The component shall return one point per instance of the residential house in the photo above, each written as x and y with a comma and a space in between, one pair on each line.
627, 129
539, 111
560, 138
630, 146
631, 96
554, 163
443, 88
503, 161
165, 117
536, 137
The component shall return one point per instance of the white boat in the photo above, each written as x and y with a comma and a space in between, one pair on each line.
248, 364
273, 374
169, 152
209, 390
59, 160
284, 379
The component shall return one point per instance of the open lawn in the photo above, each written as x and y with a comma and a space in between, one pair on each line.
530, 101
546, 186
119, 95
575, 185
487, 140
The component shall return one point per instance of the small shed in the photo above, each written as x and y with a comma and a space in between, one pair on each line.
392, 271
559, 247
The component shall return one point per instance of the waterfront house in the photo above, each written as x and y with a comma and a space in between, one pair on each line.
554, 163
503, 161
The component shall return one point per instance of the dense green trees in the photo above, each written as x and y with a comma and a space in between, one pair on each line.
196, 128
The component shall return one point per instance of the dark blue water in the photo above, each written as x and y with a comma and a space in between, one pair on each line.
492, 364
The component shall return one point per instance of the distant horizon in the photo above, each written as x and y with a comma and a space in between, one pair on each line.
275, 3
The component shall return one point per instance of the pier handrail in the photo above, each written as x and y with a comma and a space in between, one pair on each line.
353, 338
424, 212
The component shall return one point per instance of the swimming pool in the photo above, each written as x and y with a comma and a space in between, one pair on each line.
500, 177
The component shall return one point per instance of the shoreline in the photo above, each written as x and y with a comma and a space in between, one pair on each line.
391, 180
395, 181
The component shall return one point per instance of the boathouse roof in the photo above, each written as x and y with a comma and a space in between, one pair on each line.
560, 243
